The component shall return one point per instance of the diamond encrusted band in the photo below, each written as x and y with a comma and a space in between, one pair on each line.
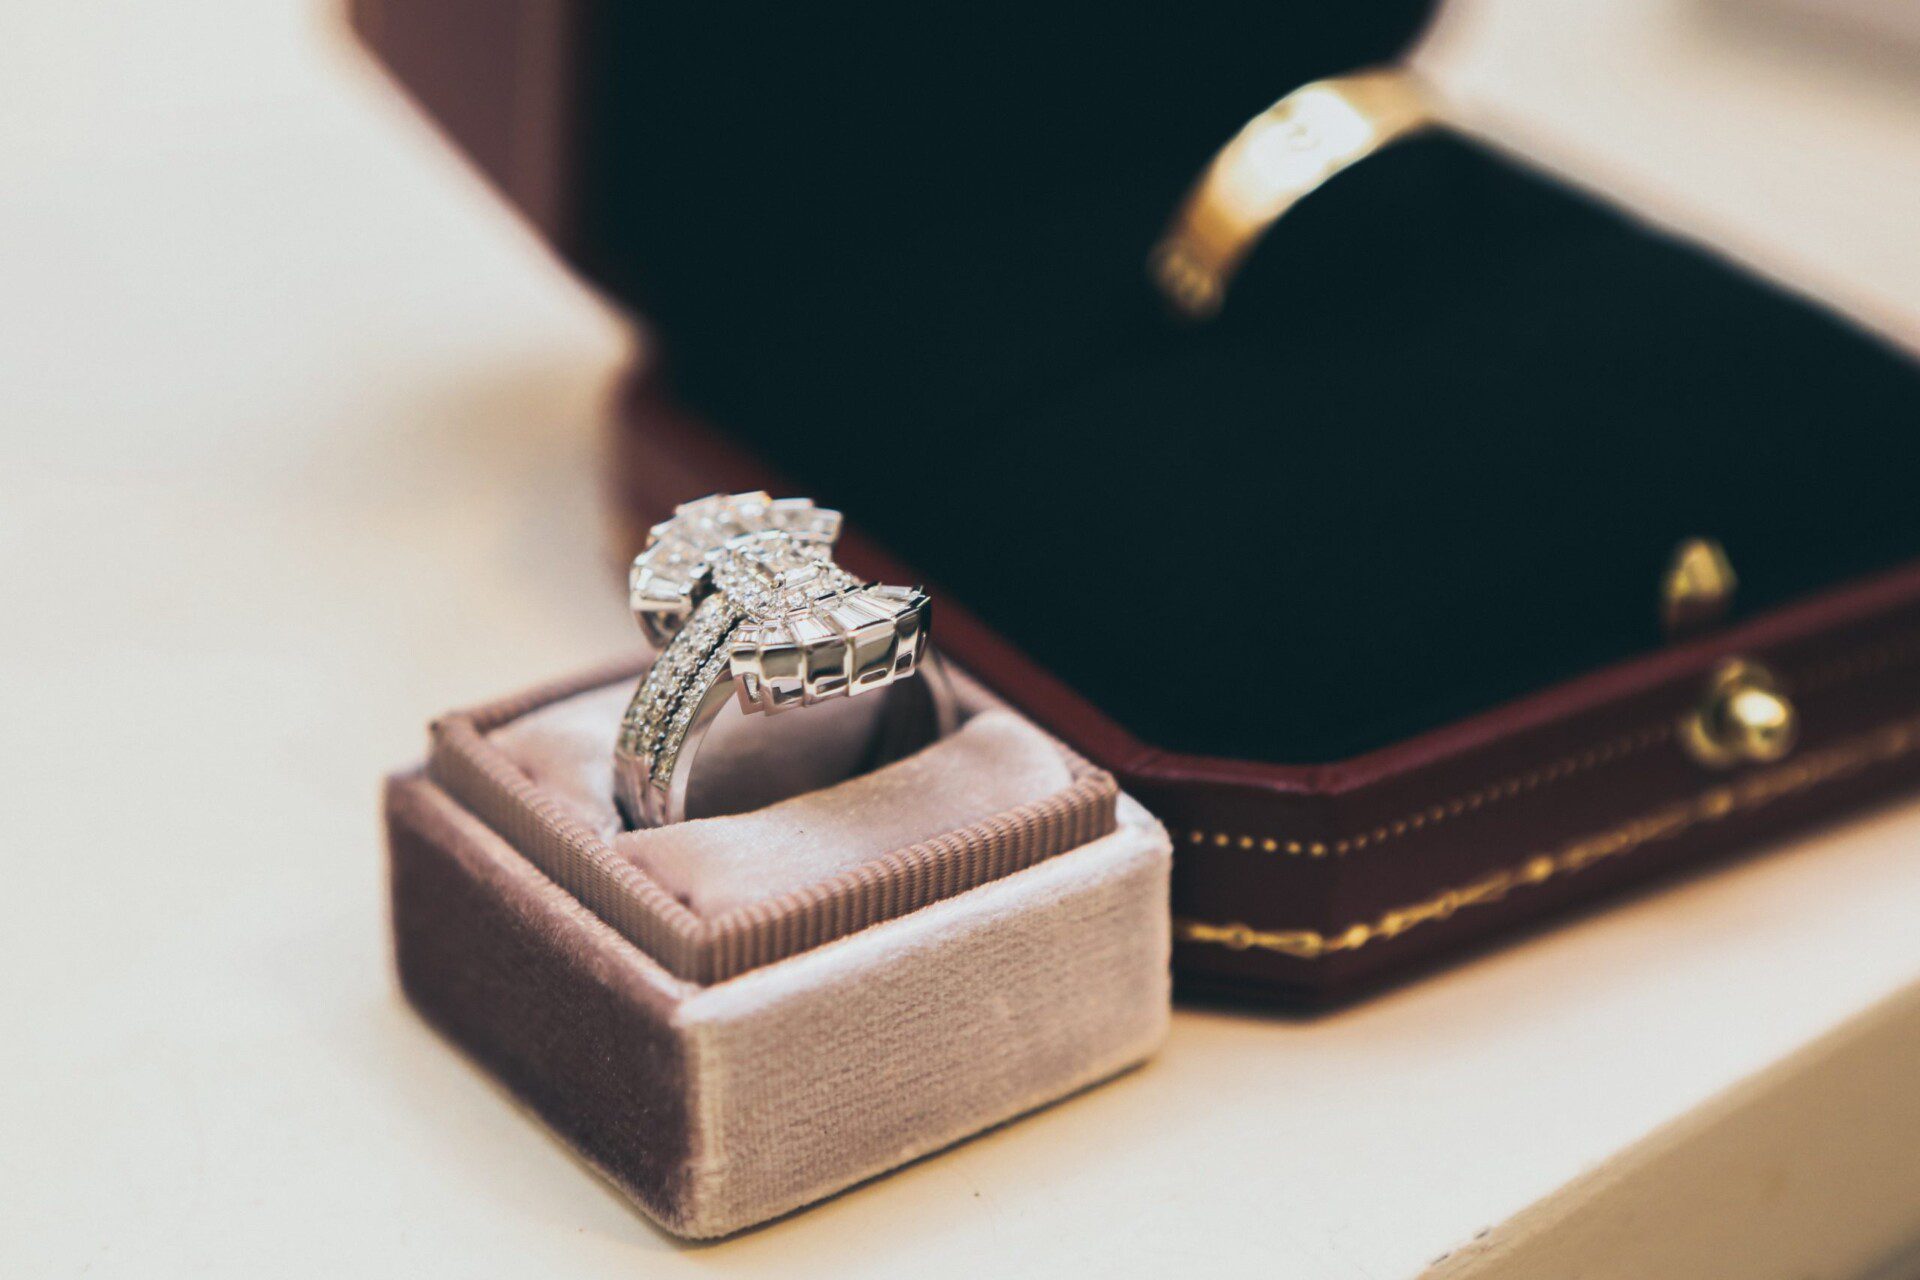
741, 594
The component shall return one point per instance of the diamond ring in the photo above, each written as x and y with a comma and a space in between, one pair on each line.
742, 598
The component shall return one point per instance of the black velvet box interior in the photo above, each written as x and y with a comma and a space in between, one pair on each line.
1433, 454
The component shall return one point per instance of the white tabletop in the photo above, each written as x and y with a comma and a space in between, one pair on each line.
299, 448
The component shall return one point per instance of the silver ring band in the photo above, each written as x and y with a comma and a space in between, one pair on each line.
743, 596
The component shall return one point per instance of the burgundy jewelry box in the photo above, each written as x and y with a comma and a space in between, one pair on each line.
1359, 586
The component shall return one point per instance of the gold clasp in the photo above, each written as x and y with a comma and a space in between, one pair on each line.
1743, 718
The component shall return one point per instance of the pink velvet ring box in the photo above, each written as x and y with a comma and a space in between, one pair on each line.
736, 1016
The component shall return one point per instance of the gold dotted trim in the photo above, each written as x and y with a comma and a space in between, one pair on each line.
1433, 815
1867, 662
1841, 760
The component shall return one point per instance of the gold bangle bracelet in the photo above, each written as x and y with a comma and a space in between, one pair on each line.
1280, 156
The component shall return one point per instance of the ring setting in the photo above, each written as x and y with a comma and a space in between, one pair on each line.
741, 596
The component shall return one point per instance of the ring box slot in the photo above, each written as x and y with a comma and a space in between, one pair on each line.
804, 1033
470, 764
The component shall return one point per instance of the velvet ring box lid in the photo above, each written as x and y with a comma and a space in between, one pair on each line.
1381, 545
734, 1016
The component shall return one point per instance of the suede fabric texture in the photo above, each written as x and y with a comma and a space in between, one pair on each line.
718, 1106
470, 766
995, 762
544, 997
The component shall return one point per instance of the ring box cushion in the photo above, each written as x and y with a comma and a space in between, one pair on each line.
995, 763
726, 1052
1417, 483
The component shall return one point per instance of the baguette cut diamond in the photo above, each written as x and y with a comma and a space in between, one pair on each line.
741, 595
676, 569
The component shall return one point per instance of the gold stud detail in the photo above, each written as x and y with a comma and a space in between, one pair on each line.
1743, 718
1697, 591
